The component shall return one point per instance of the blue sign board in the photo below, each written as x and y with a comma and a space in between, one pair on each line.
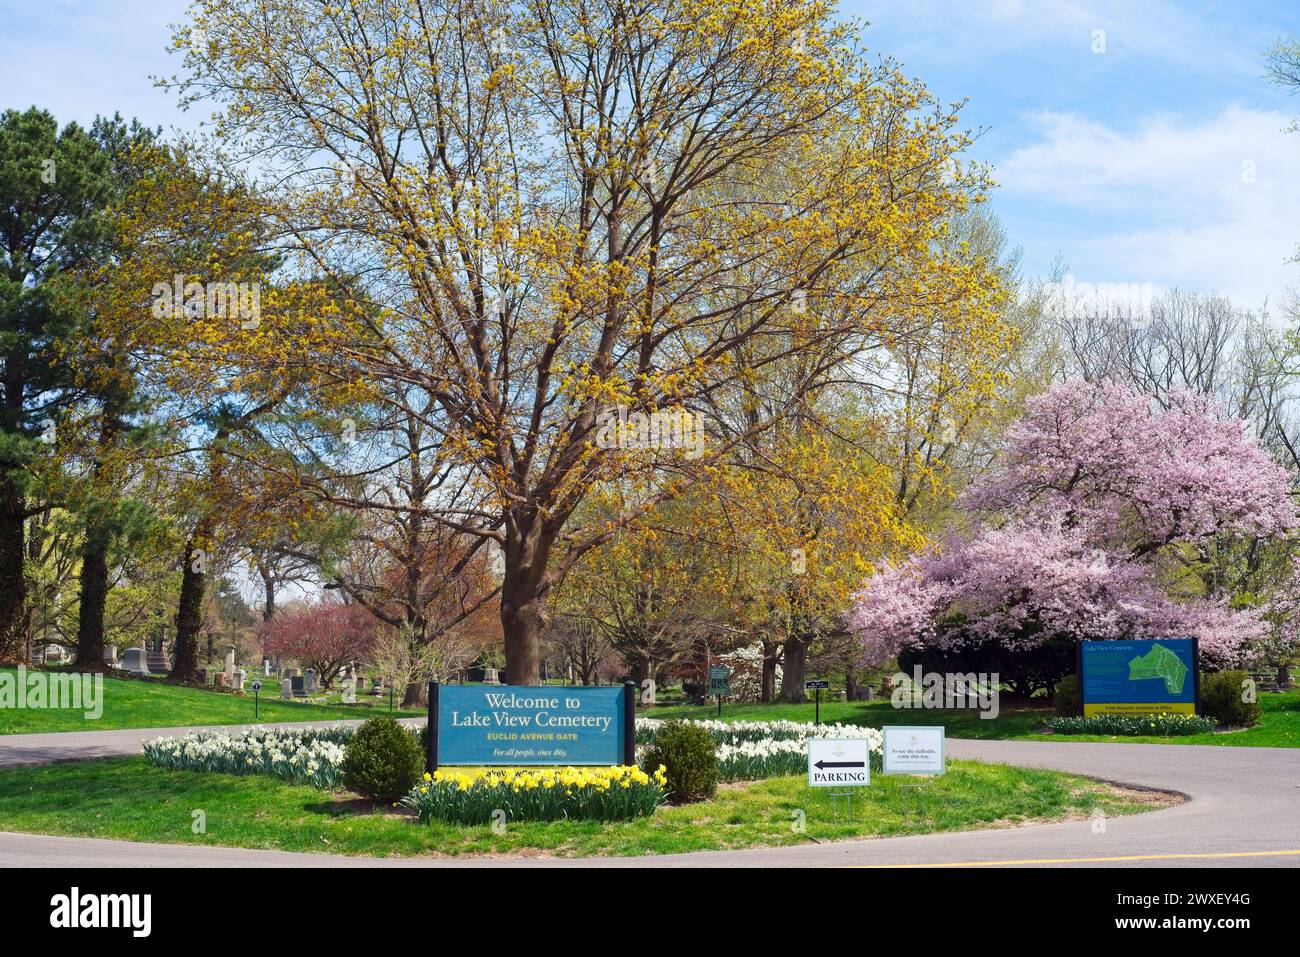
1142, 676
502, 725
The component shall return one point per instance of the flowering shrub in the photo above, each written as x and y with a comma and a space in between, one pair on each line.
551, 794
304, 756
1168, 725
751, 750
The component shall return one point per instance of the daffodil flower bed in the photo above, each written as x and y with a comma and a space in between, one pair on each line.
551, 794
752, 750
302, 755
1155, 725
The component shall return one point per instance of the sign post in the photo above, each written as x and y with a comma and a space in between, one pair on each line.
257, 687
842, 763
720, 684
914, 750
817, 686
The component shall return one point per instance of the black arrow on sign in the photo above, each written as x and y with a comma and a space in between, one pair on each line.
823, 765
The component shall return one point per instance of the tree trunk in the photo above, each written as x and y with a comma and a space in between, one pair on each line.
93, 597
13, 586
795, 664
417, 695
1283, 677
768, 690
523, 621
189, 616
850, 684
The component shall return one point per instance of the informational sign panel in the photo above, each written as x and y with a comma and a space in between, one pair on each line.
838, 762
816, 684
1141, 676
485, 725
720, 682
913, 750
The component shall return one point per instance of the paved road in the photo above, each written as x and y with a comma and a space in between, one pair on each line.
18, 749
1244, 809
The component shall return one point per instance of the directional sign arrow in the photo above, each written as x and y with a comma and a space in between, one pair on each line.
823, 765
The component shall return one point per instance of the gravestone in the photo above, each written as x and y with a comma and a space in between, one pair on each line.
286, 688
309, 681
350, 689
266, 667
110, 656
230, 665
221, 680
136, 661
238, 682
297, 683
202, 675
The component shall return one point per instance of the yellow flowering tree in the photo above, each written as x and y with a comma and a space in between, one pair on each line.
566, 212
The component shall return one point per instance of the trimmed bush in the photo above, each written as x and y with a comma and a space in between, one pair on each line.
686, 752
383, 760
1065, 698
1221, 699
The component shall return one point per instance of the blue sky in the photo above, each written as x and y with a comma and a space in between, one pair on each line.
1127, 164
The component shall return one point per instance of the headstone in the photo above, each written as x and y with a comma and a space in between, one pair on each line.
288, 672
297, 684
230, 665
203, 675
490, 676
238, 682
136, 661
266, 667
286, 688
110, 655
309, 681
221, 680
350, 689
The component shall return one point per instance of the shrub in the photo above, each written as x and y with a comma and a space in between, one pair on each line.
686, 752
383, 760
551, 794
1221, 699
1065, 697
1166, 725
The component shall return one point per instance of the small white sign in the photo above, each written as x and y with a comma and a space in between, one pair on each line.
913, 750
838, 762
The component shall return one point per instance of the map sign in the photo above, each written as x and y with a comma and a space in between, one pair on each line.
1142, 676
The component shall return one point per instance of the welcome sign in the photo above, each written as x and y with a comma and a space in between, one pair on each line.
1142, 676
503, 725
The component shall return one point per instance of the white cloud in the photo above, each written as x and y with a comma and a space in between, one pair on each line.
1212, 204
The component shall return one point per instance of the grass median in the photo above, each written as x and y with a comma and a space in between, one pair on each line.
125, 798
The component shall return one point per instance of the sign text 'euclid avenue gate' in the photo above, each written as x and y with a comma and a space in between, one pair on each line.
544, 725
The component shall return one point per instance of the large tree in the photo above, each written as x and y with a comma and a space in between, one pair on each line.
564, 207
54, 187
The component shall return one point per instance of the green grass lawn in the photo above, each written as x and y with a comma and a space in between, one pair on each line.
155, 704
125, 798
1278, 728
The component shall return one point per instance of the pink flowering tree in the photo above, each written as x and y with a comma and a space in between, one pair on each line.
1097, 497
1137, 478
325, 637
